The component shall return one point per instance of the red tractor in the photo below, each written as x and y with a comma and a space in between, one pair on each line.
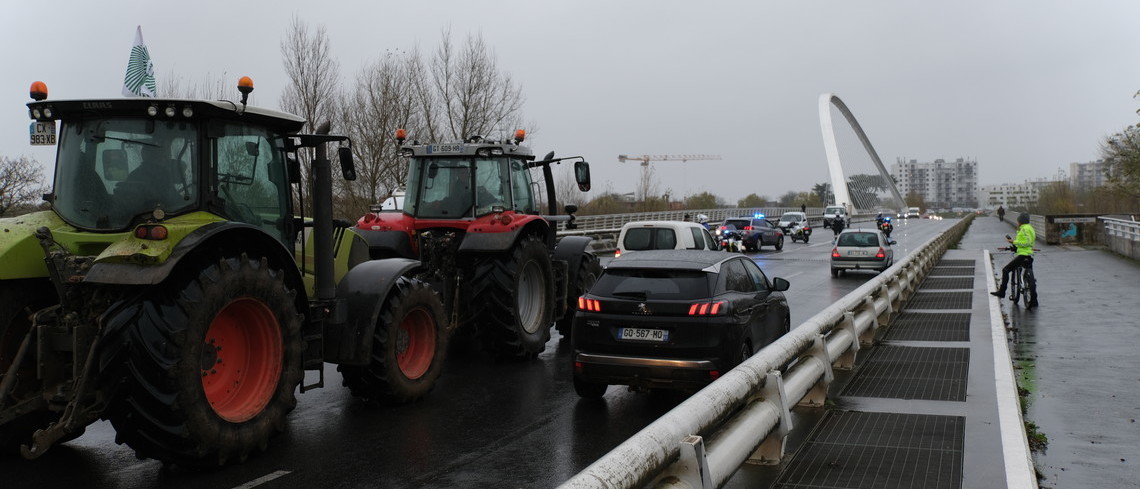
470, 216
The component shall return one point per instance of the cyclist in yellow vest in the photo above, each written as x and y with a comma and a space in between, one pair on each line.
1023, 245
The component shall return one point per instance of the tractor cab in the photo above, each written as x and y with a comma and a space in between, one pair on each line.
123, 162
468, 180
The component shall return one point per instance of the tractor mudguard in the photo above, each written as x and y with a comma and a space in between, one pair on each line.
386, 244
501, 241
231, 235
570, 250
362, 292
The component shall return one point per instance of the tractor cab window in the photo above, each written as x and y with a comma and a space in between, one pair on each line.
491, 185
521, 189
112, 170
251, 183
440, 188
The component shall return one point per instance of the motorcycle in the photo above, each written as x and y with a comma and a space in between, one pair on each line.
799, 231
886, 227
730, 239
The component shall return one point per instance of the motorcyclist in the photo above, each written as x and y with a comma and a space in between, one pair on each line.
704, 220
879, 219
837, 225
1023, 246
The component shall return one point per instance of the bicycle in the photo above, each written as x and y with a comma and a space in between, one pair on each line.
1022, 280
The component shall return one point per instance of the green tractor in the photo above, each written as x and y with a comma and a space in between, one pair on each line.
470, 214
172, 290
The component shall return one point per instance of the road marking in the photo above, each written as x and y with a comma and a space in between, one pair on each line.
793, 275
263, 479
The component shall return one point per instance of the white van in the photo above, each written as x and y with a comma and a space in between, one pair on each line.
663, 235
832, 213
913, 212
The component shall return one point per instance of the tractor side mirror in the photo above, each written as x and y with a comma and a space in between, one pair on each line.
433, 170
347, 167
571, 208
582, 175
549, 156
252, 148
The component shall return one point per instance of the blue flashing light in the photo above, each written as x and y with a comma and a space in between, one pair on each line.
758, 216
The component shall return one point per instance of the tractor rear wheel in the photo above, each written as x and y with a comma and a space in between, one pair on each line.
209, 363
512, 296
589, 269
19, 299
408, 347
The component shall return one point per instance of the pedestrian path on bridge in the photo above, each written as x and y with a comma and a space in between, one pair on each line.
932, 403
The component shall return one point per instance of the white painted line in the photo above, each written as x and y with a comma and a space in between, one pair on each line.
263, 479
792, 275
1019, 471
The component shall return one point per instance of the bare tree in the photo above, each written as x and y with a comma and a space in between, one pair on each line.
21, 181
208, 87
472, 97
378, 105
314, 79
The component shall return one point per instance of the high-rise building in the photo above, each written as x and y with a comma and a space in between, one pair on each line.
1087, 176
941, 183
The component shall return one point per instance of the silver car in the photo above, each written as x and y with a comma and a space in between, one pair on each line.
861, 249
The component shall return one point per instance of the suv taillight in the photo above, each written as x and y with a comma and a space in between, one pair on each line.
707, 308
585, 304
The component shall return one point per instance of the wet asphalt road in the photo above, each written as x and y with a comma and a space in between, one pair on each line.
486, 424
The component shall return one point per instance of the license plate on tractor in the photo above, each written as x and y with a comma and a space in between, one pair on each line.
643, 334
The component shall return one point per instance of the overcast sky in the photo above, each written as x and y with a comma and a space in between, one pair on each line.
1023, 87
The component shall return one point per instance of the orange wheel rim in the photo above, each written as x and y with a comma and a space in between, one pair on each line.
241, 359
415, 344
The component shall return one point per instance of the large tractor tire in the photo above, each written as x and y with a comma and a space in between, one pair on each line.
513, 298
589, 269
408, 347
19, 299
210, 364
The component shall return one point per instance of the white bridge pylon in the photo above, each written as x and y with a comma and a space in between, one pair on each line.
834, 167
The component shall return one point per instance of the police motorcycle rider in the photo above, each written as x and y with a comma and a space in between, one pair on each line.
1023, 246
884, 224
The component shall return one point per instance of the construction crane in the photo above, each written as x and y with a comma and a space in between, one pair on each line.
645, 159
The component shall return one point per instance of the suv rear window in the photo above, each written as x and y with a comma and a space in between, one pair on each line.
637, 239
652, 284
737, 223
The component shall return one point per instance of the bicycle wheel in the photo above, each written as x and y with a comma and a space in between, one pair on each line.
1015, 287
1029, 285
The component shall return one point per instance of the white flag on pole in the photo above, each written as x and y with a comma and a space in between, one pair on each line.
139, 81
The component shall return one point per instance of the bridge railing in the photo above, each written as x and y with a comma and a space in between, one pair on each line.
1122, 236
744, 415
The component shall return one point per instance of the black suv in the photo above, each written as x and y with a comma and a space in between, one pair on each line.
755, 232
675, 319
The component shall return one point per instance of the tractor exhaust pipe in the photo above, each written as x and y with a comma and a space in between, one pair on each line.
323, 219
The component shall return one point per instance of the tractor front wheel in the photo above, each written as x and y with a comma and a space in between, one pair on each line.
408, 347
210, 364
513, 295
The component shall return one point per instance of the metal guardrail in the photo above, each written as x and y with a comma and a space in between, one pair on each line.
744, 415
1121, 228
1122, 236
604, 228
